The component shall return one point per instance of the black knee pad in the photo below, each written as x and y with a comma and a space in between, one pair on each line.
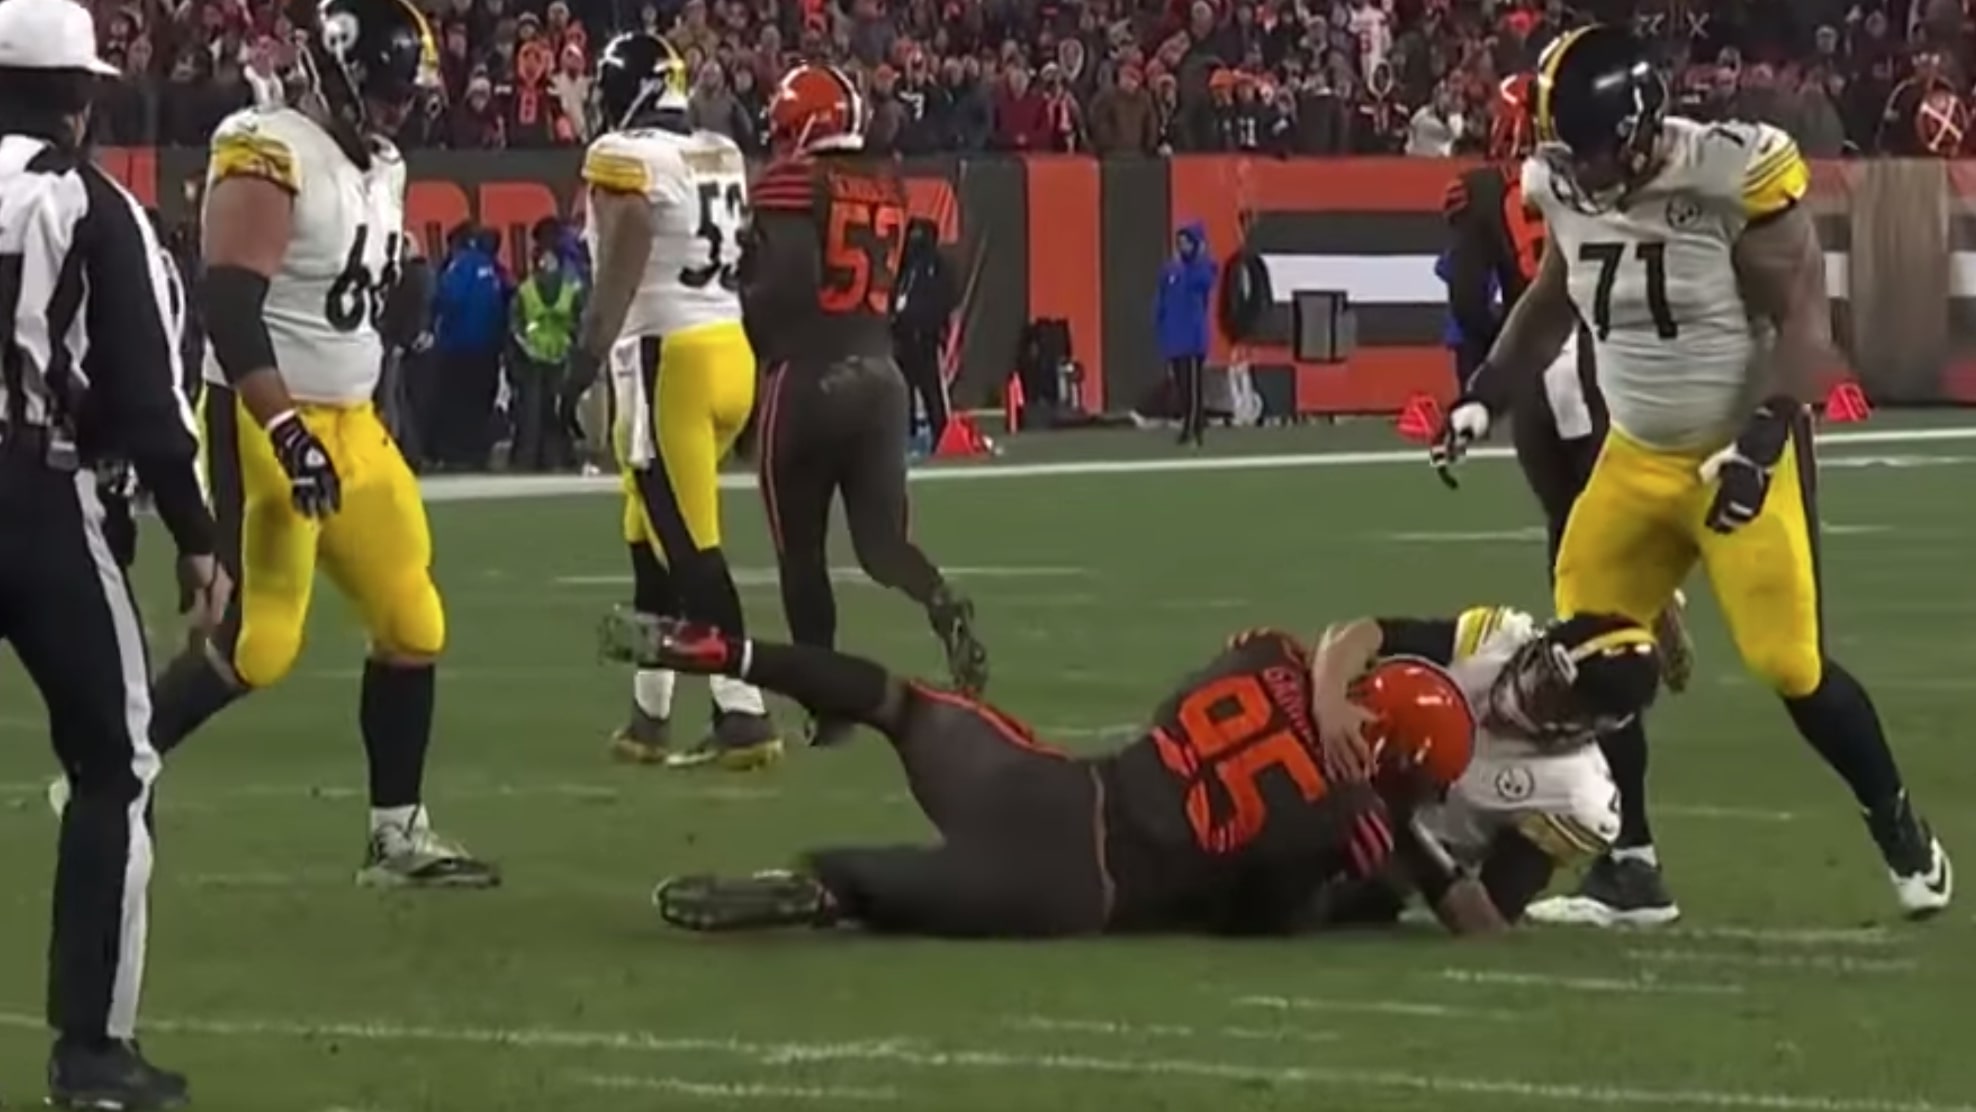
652, 587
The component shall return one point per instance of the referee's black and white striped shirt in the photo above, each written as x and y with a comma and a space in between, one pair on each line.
88, 347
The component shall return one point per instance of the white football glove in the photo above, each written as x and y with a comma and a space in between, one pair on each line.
1466, 423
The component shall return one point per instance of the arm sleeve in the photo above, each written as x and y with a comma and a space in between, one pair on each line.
1428, 638
1775, 178
135, 360
1468, 273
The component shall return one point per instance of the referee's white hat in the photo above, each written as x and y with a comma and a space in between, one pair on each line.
49, 35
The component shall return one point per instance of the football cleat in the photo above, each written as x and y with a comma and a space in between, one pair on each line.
647, 641
413, 856
952, 618
111, 1078
1677, 645
643, 739
773, 898
1924, 880
1616, 892
58, 795
738, 742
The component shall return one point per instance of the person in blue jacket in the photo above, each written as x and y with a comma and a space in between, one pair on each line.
1186, 286
469, 332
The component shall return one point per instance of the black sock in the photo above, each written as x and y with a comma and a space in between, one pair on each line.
1839, 721
828, 683
1626, 753
708, 594
396, 716
187, 693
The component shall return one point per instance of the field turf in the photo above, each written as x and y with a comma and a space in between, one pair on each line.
283, 988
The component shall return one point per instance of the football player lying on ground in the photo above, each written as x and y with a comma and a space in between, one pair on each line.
1227, 816
1537, 794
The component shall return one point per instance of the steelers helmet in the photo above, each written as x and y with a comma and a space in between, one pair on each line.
1599, 106
368, 59
1584, 676
636, 74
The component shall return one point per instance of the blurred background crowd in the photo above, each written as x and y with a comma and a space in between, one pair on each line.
1104, 76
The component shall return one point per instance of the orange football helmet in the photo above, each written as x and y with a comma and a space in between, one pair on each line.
816, 108
1512, 132
1425, 729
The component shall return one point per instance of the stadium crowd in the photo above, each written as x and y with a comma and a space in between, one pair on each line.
1105, 76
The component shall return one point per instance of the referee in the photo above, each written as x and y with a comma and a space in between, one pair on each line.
89, 376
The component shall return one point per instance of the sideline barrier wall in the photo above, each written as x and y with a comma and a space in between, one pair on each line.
1083, 239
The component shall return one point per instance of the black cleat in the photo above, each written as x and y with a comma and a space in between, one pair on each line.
1616, 892
1923, 880
774, 898
952, 617
113, 1077
826, 732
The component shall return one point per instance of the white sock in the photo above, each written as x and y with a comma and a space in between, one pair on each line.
651, 689
735, 697
404, 818
1644, 854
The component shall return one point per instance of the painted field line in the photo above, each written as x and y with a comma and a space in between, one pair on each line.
907, 1054
1631, 986
768, 577
1803, 963
1117, 1029
476, 488
1788, 936
719, 1090
1732, 814
1404, 1008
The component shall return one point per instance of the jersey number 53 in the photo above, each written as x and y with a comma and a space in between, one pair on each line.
357, 295
723, 209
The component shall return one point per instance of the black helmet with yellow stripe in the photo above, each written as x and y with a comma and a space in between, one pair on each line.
1586, 675
368, 60
637, 74
1599, 106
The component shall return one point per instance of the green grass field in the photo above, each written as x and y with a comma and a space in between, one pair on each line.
282, 988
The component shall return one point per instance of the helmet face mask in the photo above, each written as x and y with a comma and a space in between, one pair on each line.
1587, 676
369, 61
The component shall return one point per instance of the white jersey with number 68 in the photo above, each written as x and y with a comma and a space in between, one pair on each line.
697, 185
1655, 278
344, 249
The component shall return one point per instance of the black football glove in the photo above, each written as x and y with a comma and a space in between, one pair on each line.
1741, 472
312, 480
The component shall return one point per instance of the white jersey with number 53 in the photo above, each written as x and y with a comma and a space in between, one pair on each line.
698, 187
343, 252
1655, 279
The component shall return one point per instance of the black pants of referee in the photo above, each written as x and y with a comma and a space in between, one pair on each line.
826, 430
66, 607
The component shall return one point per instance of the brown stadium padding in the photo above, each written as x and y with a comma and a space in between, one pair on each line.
1070, 237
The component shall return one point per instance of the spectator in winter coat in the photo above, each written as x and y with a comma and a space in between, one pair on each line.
1022, 118
1181, 314
714, 108
972, 119
926, 107
885, 117
477, 121
1437, 126
1124, 119
469, 331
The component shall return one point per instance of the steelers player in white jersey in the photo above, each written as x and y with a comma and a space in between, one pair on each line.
304, 241
1537, 796
1687, 250
667, 207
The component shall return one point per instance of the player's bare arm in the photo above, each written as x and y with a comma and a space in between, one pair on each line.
624, 245
248, 223
1780, 271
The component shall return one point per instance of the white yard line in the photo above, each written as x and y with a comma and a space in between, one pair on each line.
1733, 814
1633, 986
1787, 936
729, 1090
1122, 1030
767, 577
474, 488
1796, 963
900, 1053
1402, 1008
